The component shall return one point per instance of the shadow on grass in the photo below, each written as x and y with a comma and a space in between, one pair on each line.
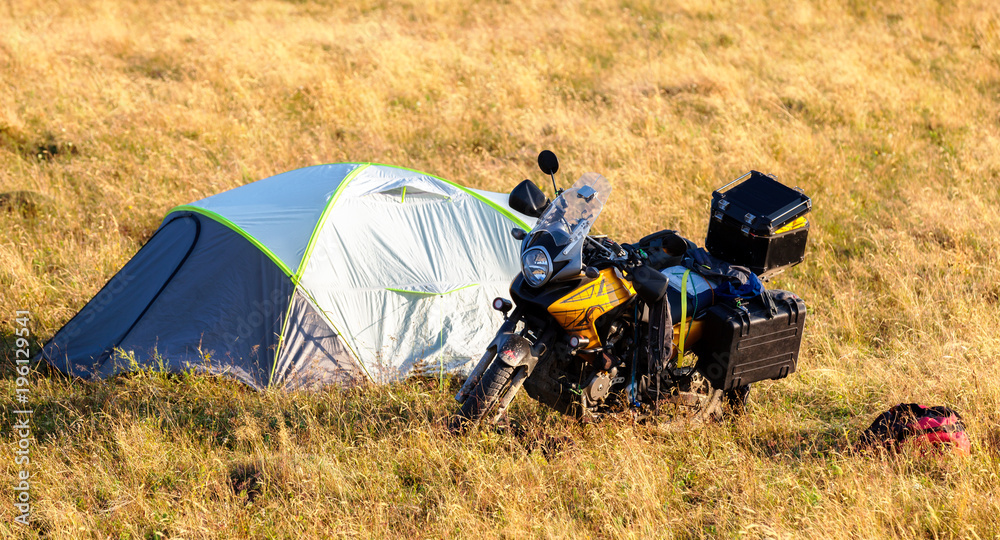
797, 443
211, 408
245, 479
11, 347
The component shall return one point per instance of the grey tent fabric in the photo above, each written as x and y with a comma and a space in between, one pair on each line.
196, 296
332, 274
282, 219
313, 355
88, 339
222, 311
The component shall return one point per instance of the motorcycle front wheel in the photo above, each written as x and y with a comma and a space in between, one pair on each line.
484, 398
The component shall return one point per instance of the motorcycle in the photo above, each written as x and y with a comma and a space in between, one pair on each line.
590, 330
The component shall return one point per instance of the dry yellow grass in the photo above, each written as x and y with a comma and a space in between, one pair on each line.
887, 113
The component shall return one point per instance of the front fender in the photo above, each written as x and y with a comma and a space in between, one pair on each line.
516, 351
509, 348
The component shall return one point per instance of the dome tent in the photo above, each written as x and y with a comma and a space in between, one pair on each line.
323, 275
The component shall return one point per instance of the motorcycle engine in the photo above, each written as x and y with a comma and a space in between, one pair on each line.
600, 385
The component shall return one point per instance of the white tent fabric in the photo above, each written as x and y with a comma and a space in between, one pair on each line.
413, 284
346, 271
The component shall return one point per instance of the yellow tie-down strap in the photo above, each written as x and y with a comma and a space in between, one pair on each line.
688, 330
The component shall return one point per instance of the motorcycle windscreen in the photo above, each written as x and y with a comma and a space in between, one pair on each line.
572, 214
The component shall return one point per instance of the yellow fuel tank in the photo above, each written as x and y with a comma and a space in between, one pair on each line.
578, 311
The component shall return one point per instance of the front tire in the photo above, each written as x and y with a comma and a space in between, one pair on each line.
483, 399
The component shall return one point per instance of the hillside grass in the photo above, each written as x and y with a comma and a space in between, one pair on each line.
887, 113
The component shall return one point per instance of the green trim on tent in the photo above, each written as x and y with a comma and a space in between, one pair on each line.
225, 221
425, 293
504, 212
281, 337
297, 275
322, 219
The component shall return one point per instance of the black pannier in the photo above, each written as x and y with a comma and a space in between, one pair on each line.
759, 340
759, 223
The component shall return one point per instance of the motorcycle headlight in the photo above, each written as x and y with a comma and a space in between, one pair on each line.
536, 266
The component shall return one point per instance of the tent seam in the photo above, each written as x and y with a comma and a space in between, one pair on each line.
239, 230
307, 254
426, 293
323, 217
357, 358
281, 336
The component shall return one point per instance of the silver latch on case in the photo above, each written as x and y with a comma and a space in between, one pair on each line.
723, 204
749, 218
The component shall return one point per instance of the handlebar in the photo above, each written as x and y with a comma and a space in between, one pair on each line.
627, 264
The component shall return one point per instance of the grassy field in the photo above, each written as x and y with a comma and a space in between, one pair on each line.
886, 112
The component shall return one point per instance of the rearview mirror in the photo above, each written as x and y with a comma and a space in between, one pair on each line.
527, 199
548, 162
